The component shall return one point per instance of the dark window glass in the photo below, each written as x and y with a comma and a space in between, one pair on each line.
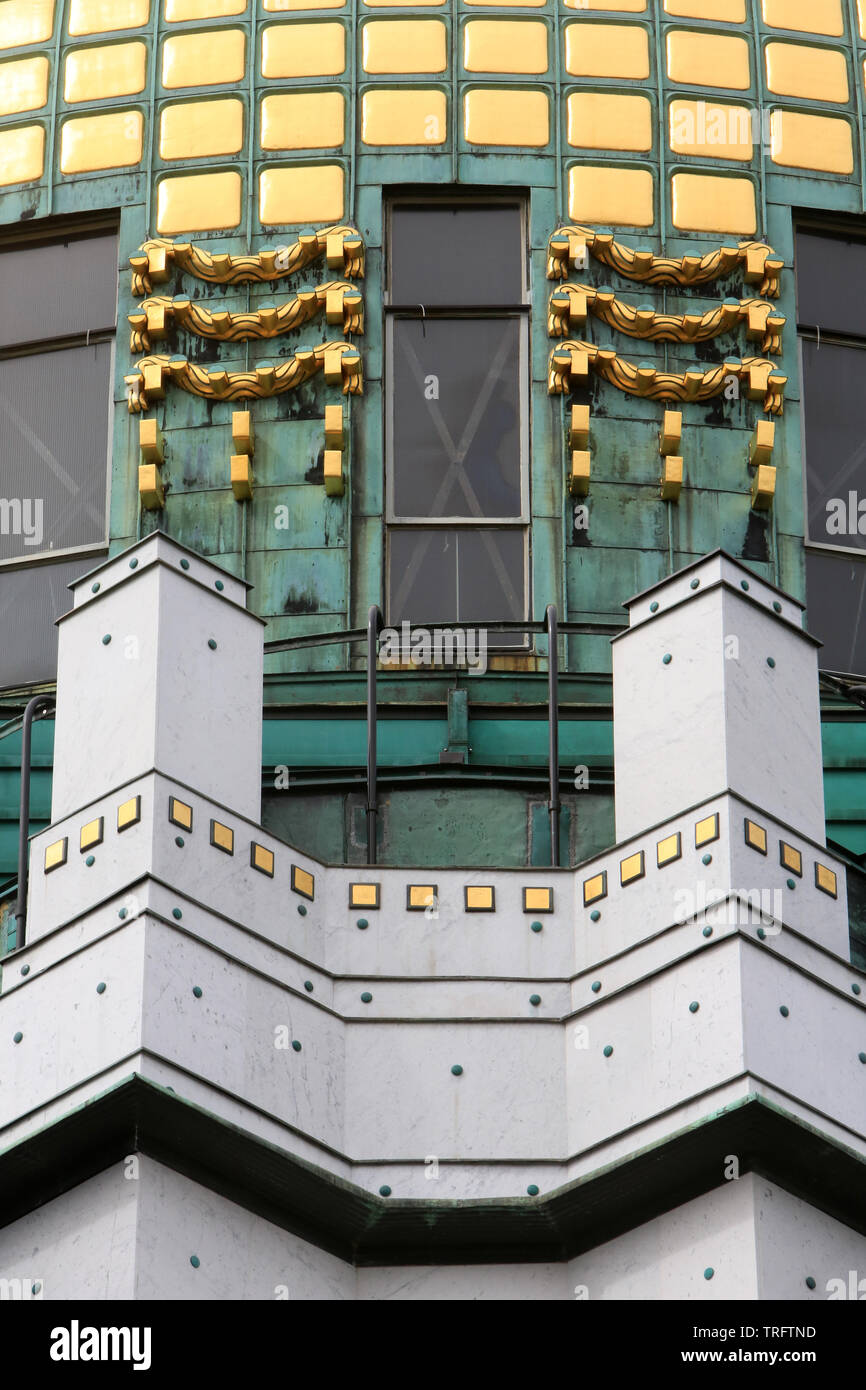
456, 437
58, 289
456, 254
834, 407
31, 601
836, 589
468, 575
831, 285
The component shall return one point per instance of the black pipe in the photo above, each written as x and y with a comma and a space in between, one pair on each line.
375, 623
32, 706
553, 730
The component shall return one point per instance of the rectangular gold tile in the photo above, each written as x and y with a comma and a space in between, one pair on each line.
755, 836
825, 879
55, 855
806, 16
624, 6
669, 849
288, 6
707, 830
101, 142
178, 11
595, 888
194, 129
479, 897
302, 194
23, 22
204, 59
711, 129
705, 203
303, 50
538, 900
303, 120
404, 45
790, 858
861, 17
129, 813
708, 60
607, 50
303, 883
419, 896
364, 895
726, 11
497, 116
92, 833
222, 837
408, 116
403, 4
23, 85
262, 859
198, 203
111, 70
802, 141
22, 154
103, 16
505, 45
609, 121
610, 196
796, 70
632, 868
179, 813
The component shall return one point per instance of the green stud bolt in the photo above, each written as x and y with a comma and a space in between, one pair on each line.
595, 986
218, 584
784, 1010
762, 935
308, 986
101, 987
535, 999
94, 588
708, 931
133, 564
25, 970
667, 659
106, 639
384, 1190
176, 913
694, 584
771, 662
810, 1282
90, 861
608, 1051
179, 841
16, 1037
790, 882
595, 915
184, 564
194, 1259
296, 1045
654, 608
706, 859
122, 914
532, 1190
362, 924
366, 997
855, 989
36, 1288
862, 1057
457, 1070
744, 584
535, 926
197, 991
694, 1006
709, 1272
777, 607
302, 910
212, 644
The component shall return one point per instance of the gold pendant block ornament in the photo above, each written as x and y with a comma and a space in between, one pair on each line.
571, 363
157, 260
568, 246
156, 317
569, 305
340, 363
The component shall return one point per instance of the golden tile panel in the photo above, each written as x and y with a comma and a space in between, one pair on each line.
262, 859
288, 6
301, 195
129, 813
177, 11
625, 6
303, 120
608, 121
607, 50
790, 858
112, 70
609, 196
713, 130
103, 16
101, 142
92, 833
193, 129
478, 897
801, 141
805, 16
403, 4
705, 203
304, 50
497, 116
538, 900
755, 836
55, 855
179, 813
198, 203
23, 85
204, 59
222, 837
22, 154
594, 889
707, 830
406, 117
364, 895
725, 11
861, 17
505, 45
795, 70
419, 896
632, 868
404, 45
825, 879
521, 4
708, 60
25, 21
669, 849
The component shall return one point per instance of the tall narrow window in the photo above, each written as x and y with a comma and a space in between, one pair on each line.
457, 410
831, 313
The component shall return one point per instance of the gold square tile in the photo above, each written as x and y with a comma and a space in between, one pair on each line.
710, 129
706, 203
420, 895
609, 196
610, 121
25, 21
595, 888
726, 11
479, 897
301, 194
179, 813
195, 129
262, 859
632, 868
204, 59
304, 50
404, 46
805, 16
756, 836
288, 6
607, 50
129, 813
103, 16
303, 120
198, 203
708, 60
501, 116
669, 849
797, 70
624, 6
303, 882
110, 141
790, 858
222, 837
55, 855
92, 834
23, 85
707, 830
505, 45
111, 70
22, 154
825, 879
538, 900
364, 895
804, 141
409, 116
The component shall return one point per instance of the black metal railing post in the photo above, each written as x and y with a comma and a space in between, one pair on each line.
37, 703
553, 730
375, 624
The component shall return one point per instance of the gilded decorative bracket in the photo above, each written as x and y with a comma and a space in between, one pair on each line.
571, 362
155, 318
569, 305
339, 362
157, 260
567, 248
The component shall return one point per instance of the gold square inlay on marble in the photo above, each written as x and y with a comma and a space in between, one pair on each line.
304, 50
194, 129
404, 45
797, 70
595, 888
303, 882
609, 196
505, 45
704, 203
806, 16
25, 21
303, 120
609, 121
478, 897
500, 116
108, 141
825, 879
707, 830
607, 50
538, 900
22, 154
222, 837
632, 868
790, 858
104, 16
55, 854
301, 195
205, 59
23, 85
419, 896
364, 895
708, 60
669, 849
410, 116
129, 813
91, 834
262, 859
802, 141
710, 129
755, 836
112, 70
198, 203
